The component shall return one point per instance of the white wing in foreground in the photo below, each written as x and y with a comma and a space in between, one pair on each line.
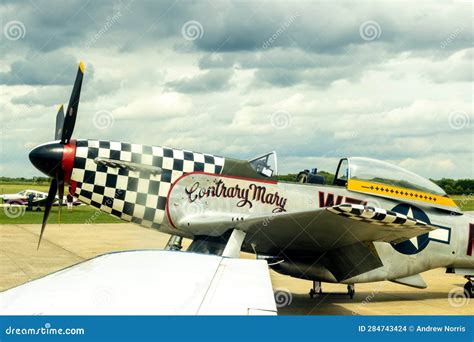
148, 282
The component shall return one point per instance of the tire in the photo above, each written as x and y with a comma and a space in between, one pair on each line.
469, 289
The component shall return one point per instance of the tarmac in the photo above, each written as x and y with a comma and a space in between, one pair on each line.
67, 244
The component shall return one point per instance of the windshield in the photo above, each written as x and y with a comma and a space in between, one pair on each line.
377, 171
342, 174
265, 165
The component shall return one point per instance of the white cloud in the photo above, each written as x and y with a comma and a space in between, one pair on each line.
159, 106
390, 98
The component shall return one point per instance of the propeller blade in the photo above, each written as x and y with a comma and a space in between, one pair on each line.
47, 208
72, 107
60, 179
59, 123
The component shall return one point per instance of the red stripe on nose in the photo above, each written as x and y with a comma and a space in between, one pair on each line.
67, 163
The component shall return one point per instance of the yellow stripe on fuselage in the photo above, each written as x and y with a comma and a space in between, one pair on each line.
392, 191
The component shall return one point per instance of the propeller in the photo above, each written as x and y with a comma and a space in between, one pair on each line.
60, 181
60, 174
59, 123
72, 107
47, 209
50, 158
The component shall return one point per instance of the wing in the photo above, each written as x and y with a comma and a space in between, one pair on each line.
148, 282
315, 230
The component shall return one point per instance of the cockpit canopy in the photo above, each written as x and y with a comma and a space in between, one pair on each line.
377, 171
265, 165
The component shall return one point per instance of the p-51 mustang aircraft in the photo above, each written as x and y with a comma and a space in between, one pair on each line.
375, 222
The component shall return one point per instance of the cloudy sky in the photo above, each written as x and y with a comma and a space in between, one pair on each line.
314, 81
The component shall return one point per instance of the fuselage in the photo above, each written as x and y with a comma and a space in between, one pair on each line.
155, 187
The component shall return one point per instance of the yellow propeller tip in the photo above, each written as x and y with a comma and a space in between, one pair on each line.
81, 66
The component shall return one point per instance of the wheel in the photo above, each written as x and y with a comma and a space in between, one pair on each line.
38, 209
469, 289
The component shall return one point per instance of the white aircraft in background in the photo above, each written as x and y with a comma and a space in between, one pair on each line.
39, 198
22, 197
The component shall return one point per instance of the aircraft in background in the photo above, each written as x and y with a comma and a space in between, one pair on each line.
375, 222
21, 198
39, 198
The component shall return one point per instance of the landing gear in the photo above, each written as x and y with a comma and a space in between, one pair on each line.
316, 289
469, 288
351, 290
174, 243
